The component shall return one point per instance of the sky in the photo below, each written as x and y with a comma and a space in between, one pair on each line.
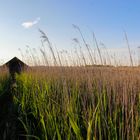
21, 19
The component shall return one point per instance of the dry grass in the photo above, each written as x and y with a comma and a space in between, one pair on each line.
81, 101
90, 102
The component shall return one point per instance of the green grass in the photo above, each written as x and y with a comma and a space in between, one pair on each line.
77, 103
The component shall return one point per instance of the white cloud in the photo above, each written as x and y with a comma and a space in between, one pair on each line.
29, 24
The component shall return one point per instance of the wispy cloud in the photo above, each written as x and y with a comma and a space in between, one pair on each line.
29, 24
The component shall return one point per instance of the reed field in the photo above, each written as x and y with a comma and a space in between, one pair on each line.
78, 102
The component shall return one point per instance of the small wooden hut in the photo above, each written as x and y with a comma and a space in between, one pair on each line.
15, 65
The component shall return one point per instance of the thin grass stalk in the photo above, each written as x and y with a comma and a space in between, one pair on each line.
46, 39
99, 52
86, 45
131, 59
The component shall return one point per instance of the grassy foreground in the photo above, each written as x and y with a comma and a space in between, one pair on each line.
83, 103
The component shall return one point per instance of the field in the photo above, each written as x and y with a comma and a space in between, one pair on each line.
69, 103
86, 98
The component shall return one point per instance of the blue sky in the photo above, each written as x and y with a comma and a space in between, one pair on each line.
20, 20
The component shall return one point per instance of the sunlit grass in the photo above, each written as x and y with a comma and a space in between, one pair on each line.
80, 103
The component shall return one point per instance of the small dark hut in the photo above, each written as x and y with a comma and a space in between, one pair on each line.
15, 65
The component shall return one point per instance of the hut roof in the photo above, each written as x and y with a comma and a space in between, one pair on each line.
14, 61
15, 65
